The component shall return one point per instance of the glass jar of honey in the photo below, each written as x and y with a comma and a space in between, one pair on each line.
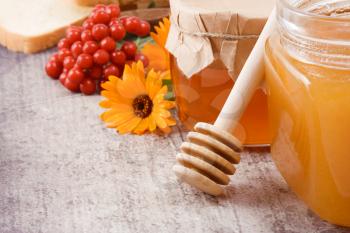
210, 42
308, 76
201, 97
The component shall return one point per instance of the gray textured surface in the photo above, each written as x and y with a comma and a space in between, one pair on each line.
61, 170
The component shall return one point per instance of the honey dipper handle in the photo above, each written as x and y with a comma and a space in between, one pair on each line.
247, 82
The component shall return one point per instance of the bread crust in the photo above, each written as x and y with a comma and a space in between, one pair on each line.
33, 44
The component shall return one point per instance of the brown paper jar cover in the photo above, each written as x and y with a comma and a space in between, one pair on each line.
204, 31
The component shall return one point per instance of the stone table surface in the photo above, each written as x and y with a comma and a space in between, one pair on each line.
61, 170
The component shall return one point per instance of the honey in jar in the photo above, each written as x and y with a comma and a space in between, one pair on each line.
201, 97
308, 75
210, 42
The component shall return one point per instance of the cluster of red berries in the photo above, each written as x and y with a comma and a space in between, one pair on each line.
89, 54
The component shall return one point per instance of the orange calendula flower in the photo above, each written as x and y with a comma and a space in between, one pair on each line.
136, 104
157, 54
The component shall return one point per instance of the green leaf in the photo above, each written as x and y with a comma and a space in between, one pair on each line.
144, 40
139, 41
170, 96
167, 82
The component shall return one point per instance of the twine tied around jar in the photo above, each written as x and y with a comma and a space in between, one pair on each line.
224, 36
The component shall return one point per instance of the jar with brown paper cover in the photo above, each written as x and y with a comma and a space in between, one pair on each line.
210, 42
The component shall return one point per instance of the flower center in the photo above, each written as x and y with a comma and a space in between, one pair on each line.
142, 105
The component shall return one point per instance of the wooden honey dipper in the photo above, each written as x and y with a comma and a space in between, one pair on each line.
207, 158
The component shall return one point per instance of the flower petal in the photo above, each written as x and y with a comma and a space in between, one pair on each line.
159, 111
118, 119
162, 91
153, 83
133, 83
114, 96
162, 32
105, 104
170, 121
107, 114
159, 97
161, 123
141, 127
113, 115
167, 104
128, 126
158, 57
165, 75
111, 84
166, 130
151, 123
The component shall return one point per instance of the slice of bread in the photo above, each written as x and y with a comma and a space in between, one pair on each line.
128, 4
32, 26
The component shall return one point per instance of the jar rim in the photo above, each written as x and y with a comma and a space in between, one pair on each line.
322, 38
286, 4
327, 20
